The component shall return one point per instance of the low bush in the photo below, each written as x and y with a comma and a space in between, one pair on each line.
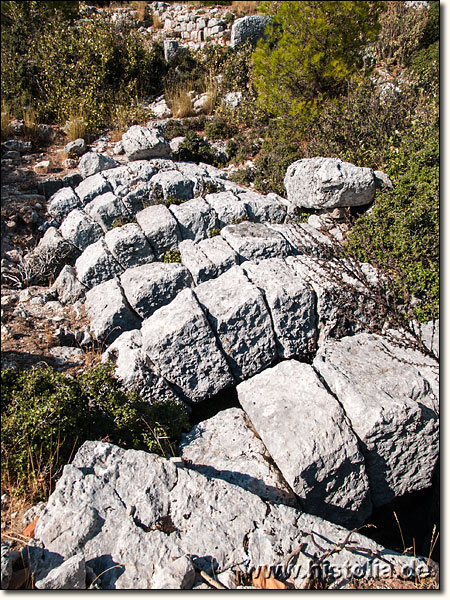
196, 149
219, 128
47, 415
180, 127
172, 256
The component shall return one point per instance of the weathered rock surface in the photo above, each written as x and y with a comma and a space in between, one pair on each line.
105, 210
91, 187
226, 447
160, 228
129, 246
179, 575
68, 287
132, 514
151, 286
328, 183
310, 439
76, 148
70, 575
228, 207
389, 396
220, 253
109, 312
80, 229
96, 265
238, 315
93, 162
62, 202
172, 185
180, 343
253, 241
133, 370
291, 302
264, 209
249, 28
144, 142
195, 219
196, 261
344, 305
7, 562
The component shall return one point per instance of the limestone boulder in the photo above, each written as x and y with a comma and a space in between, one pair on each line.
62, 203
108, 311
92, 187
106, 210
80, 230
291, 302
195, 219
226, 447
249, 28
390, 396
129, 246
309, 437
68, 287
329, 183
228, 207
96, 265
93, 162
144, 143
172, 185
255, 241
132, 514
181, 345
196, 262
160, 228
238, 315
151, 286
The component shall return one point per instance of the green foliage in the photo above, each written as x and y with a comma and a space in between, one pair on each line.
180, 127
62, 67
47, 415
196, 149
172, 256
219, 128
214, 232
401, 233
311, 50
243, 176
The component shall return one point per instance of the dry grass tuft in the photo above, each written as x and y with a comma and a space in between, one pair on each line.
141, 9
30, 124
6, 120
211, 90
179, 100
76, 126
157, 23
245, 7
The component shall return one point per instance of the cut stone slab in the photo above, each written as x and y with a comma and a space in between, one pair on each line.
195, 219
309, 437
91, 187
96, 265
264, 209
129, 246
114, 505
133, 370
253, 241
226, 447
238, 315
328, 183
93, 162
160, 228
80, 229
291, 302
389, 396
180, 343
125, 178
198, 265
70, 575
304, 239
173, 185
228, 208
105, 210
139, 198
344, 306
144, 142
108, 311
219, 253
62, 203
151, 286
67, 286
248, 28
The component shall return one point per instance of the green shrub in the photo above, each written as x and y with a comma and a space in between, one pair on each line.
196, 149
180, 127
311, 50
172, 256
218, 128
61, 67
47, 415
